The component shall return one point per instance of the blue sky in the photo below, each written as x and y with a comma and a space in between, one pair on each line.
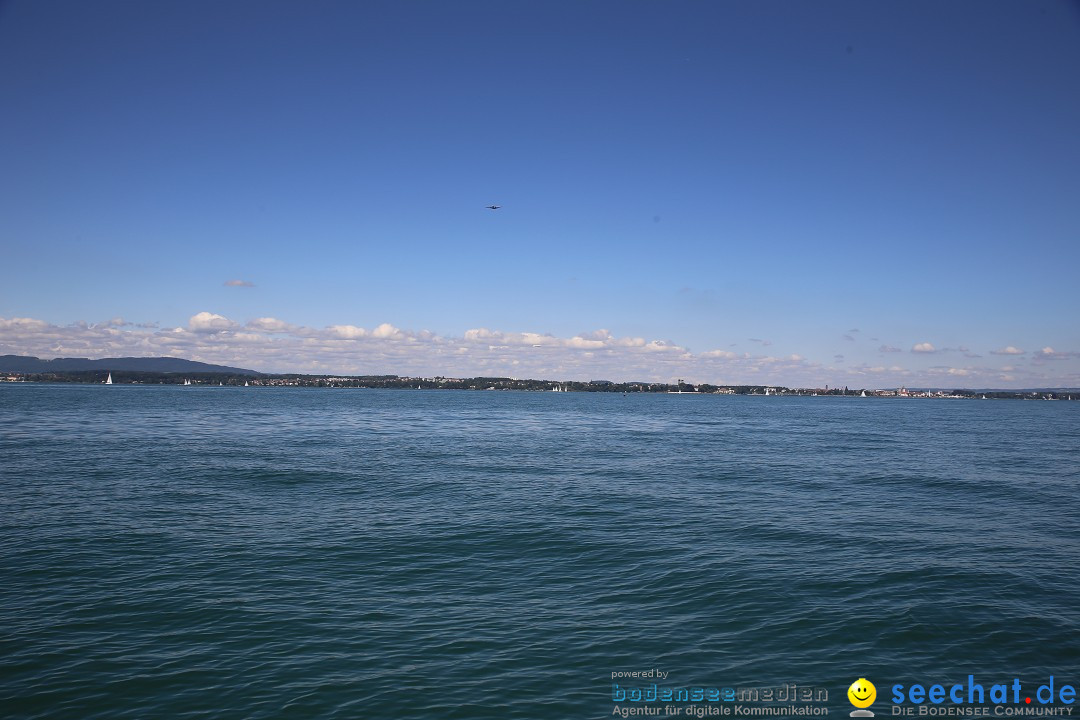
868, 194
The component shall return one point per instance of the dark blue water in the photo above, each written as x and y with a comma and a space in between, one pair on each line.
303, 553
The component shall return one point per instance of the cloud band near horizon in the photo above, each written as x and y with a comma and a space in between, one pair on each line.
271, 345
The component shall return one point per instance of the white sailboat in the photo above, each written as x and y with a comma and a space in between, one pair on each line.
186, 381
863, 394
245, 383
108, 380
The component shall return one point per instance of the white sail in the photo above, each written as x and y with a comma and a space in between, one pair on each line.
108, 380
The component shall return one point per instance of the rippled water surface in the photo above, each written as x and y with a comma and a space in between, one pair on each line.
278, 553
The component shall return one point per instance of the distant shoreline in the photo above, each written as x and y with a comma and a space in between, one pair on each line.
94, 377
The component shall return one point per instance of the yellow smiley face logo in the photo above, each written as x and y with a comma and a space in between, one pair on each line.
862, 693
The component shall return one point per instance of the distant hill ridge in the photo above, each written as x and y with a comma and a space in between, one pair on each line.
28, 364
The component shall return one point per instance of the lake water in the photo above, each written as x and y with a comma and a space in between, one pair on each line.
172, 552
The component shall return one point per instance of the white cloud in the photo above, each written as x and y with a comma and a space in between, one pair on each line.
1048, 353
22, 324
480, 334
347, 332
889, 349
207, 322
923, 347
723, 354
1010, 350
538, 340
386, 331
579, 342
270, 325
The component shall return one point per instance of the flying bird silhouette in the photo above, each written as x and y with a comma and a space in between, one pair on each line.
493, 207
